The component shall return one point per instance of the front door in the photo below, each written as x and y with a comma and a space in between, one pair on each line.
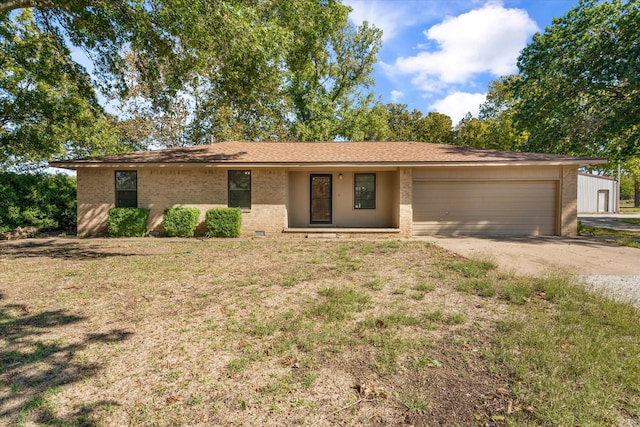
321, 199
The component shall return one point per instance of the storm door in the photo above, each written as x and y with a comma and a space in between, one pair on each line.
321, 199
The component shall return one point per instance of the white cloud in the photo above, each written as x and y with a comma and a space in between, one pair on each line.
488, 39
393, 16
458, 104
396, 95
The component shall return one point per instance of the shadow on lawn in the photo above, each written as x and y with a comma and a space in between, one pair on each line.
58, 248
32, 367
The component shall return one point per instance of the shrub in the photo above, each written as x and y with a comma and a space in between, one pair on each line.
47, 202
128, 222
180, 222
224, 222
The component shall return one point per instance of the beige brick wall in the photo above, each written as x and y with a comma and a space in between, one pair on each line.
96, 195
268, 203
161, 188
569, 201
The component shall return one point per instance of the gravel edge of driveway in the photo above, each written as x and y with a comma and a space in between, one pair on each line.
620, 288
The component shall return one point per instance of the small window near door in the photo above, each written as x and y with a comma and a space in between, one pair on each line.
126, 189
365, 191
240, 189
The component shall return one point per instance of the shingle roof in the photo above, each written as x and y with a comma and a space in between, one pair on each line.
324, 153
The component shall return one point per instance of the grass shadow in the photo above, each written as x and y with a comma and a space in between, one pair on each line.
34, 367
71, 249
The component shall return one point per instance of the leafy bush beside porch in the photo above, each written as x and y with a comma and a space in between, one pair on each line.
224, 222
128, 222
180, 222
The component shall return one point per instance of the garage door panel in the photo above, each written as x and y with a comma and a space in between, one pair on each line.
484, 208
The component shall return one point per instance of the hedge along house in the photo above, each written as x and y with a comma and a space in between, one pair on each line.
401, 188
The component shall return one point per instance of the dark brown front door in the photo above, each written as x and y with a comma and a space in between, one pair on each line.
321, 199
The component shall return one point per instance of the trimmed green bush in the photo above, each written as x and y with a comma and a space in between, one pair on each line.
128, 222
47, 202
224, 222
180, 222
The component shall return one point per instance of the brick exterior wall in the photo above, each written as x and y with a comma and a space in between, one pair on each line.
161, 188
569, 201
96, 195
206, 188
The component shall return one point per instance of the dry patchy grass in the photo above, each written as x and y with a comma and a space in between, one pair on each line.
112, 332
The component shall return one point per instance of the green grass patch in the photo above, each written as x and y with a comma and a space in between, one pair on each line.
339, 304
415, 404
393, 320
376, 284
345, 261
480, 287
473, 267
621, 237
572, 356
517, 292
635, 221
424, 287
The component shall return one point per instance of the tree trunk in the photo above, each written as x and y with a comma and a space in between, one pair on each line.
636, 198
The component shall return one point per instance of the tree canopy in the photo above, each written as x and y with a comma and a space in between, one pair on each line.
183, 73
579, 86
48, 107
494, 128
414, 126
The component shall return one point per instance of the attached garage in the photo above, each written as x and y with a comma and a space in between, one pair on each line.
517, 202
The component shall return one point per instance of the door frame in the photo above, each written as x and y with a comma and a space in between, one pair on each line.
311, 176
605, 200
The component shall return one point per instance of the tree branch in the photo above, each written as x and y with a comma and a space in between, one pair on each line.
9, 5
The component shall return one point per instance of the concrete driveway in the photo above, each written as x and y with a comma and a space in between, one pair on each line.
535, 255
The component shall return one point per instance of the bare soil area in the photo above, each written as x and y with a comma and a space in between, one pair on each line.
114, 332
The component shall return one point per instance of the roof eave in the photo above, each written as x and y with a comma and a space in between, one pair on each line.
579, 162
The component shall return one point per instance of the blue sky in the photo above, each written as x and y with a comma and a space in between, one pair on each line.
439, 55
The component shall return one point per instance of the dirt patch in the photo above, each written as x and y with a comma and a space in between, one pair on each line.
150, 331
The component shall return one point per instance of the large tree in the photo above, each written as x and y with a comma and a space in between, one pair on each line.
48, 107
414, 126
190, 72
494, 128
579, 86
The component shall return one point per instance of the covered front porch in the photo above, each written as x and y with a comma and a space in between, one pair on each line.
353, 201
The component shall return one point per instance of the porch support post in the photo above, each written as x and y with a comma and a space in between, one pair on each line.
405, 200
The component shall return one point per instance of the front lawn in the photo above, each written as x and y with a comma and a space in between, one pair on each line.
111, 332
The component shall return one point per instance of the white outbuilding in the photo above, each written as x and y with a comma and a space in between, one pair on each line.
597, 194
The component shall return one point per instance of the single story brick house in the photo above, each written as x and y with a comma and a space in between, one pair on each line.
401, 188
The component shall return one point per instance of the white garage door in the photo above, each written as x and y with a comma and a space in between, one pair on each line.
521, 208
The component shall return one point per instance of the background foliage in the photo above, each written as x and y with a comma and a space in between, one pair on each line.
39, 200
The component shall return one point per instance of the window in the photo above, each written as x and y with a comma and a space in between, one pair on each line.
365, 191
240, 189
126, 189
